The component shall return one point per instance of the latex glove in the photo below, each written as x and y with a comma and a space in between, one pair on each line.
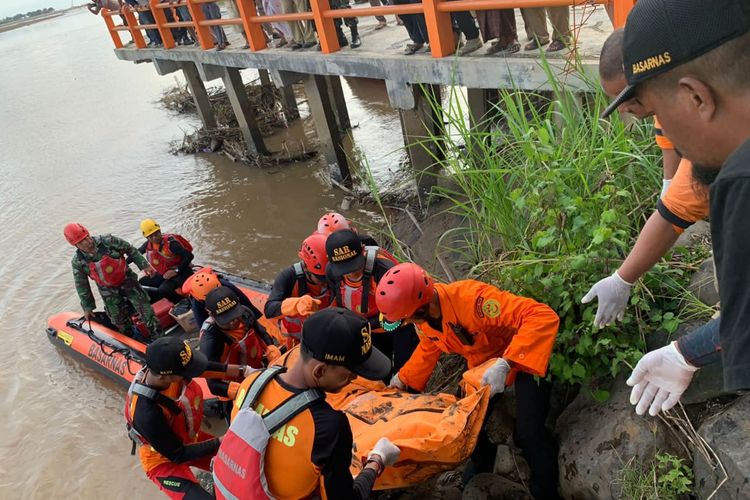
397, 383
664, 186
272, 353
386, 450
659, 379
612, 293
495, 376
299, 306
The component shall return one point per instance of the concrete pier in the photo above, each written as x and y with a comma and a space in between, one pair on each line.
243, 111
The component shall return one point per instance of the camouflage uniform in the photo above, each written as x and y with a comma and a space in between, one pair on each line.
115, 299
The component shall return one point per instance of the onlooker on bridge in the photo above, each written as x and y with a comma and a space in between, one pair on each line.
535, 21
212, 11
183, 14
113, 5
234, 12
466, 24
178, 34
499, 25
281, 30
146, 17
416, 27
351, 22
381, 19
303, 35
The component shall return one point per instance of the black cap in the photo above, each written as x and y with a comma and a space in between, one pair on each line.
173, 356
223, 305
345, 252
663, 34
338, 336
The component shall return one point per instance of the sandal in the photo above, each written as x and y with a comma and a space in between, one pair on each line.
511, 48
412, 48
556, 45
535, 44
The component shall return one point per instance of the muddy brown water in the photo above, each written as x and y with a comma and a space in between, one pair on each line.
82, 140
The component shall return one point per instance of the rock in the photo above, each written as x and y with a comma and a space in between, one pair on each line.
597, 439
695, 234
703, 283
504, 463
492, 487
728, 434
499, 424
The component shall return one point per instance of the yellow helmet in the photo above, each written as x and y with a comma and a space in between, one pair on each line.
149, 227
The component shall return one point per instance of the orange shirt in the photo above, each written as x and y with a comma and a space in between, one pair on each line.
661, 140
480, 322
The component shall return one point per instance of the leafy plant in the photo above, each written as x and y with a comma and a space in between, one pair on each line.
666, 477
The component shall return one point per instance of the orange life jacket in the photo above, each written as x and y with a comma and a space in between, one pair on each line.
108, 272
290, 447
161, 257
293, 324
182, 405
247, 347
360, 297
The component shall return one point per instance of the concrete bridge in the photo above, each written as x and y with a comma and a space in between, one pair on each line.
407, 78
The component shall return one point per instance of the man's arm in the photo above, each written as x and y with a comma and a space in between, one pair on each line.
655, 239
417, 370
212, 347
282, 289
183, 253
150, 423
83, 287
670, 162
126, 248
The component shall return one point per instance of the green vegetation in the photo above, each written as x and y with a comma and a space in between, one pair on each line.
666, 477
553, 199
28, 15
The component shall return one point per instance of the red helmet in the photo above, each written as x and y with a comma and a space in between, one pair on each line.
75, 233
313, 253
331, 222
199, 284
402, 290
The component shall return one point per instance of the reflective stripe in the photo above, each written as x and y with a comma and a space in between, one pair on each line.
288, 409
222, 489
348, 298
189, 415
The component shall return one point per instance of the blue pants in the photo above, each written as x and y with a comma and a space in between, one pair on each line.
211, 11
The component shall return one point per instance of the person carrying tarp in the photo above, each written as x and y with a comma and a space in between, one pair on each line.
163, 412
285, 441
481, 323
353, 272
300, 289
104, 260
171, 255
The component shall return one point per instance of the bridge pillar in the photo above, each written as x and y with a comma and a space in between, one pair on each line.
481, 103
200, 96
326, 123
339, 102
419, 125
243, 111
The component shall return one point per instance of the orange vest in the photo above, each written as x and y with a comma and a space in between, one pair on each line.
481, 322
293, 324
288, 468
247, 348
108, 272
161, 257
186, 424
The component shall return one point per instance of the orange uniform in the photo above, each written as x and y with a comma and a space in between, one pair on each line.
684, 203
481, 322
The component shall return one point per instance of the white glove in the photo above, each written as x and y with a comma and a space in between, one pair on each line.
664, 186
396, 382
612, 293
386, 450
495, 376
659, 379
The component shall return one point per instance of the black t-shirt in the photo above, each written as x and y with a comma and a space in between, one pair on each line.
730, 233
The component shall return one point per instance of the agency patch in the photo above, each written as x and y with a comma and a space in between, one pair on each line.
491, 308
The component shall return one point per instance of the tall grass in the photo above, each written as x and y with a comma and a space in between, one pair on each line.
553, 198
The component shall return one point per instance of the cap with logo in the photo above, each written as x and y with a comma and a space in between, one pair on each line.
663, 34
223, 305
345, 252
173, 356
338, 336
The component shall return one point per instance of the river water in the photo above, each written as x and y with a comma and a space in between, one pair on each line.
81, 139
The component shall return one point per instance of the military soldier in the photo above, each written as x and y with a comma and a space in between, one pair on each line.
103, 259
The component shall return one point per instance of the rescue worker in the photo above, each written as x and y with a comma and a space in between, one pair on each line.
103, 259
336, 347
682, 202
333, 221
164, 410
686, 62
232, 334
201, 283
481, 323
353, 272
171, 255
300, 289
